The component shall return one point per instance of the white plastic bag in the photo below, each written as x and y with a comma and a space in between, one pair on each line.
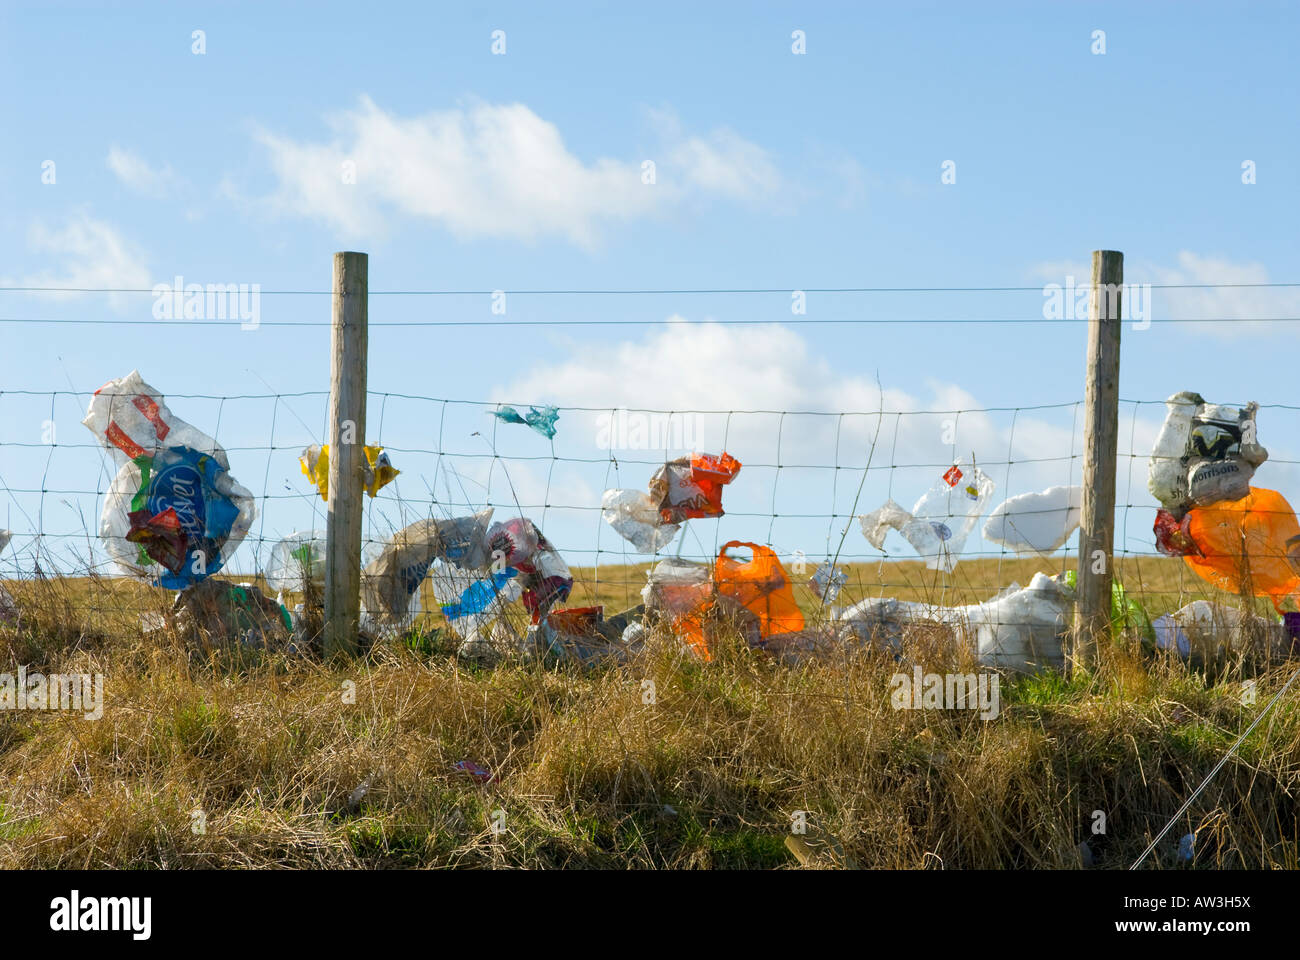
473, 604
297, 561
942, 519
1036, 522
1204, 453
634, 515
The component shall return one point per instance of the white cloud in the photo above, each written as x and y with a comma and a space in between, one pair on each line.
86, 253
495, 170
135, 172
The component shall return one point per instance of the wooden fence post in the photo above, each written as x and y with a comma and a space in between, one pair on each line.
1100, 446
347, 438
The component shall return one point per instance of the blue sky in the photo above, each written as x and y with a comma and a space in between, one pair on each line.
523, 171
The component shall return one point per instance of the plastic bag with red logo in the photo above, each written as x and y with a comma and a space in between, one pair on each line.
519, 544
689, 488
942, 519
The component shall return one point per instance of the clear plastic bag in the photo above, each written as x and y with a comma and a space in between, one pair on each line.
942, 519
634, 515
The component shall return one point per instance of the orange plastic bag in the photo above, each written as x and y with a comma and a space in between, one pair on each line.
690, 488
760, 586
1261, 525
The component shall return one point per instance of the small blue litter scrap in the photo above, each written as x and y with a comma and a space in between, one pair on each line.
543, 420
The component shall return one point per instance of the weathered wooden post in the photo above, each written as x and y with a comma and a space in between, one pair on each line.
347, 437
1100, 446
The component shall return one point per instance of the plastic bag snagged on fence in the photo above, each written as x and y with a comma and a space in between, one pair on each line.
297, 562
542, 420
1204, 453
1036, 522
827, 582
1020, 629
175, 517
691, 487
518, 543
473, 604
1258, 535
1173, 536
942, 519
392, 577
1203, 630
680, 592
761, 586
377, 471
173, 512
1126, 613
218, 612
635, 517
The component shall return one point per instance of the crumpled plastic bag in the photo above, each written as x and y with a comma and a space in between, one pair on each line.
1260, 528
827, 582
761, 586
391, 579
1203, 454
217, 613
680, 591
173, 512
546, 581
1036, 522
635, 517
1021, 629
541, 420
474, 604
1203, 630
297, 563
691, 487
377, 471
942, 519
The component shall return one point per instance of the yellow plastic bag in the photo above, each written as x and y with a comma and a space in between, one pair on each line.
1257, 534
315, 462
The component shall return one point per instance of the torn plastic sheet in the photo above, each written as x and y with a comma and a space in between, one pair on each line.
942, 519
1036, 522
297, 562
377, 470
635, 517
175, 517
540, 419
691, 487
392, 576
1204, 453
827, 581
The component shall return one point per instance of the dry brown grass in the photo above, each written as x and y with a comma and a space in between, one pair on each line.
589, 775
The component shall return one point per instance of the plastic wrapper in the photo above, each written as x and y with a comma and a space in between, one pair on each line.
1257, 534
377, 471
635, 517
474, 604
297, 563
827, 582
391, 579
131, 419
1204, 453
1036, 522
541, 419
691, 487
942, 519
